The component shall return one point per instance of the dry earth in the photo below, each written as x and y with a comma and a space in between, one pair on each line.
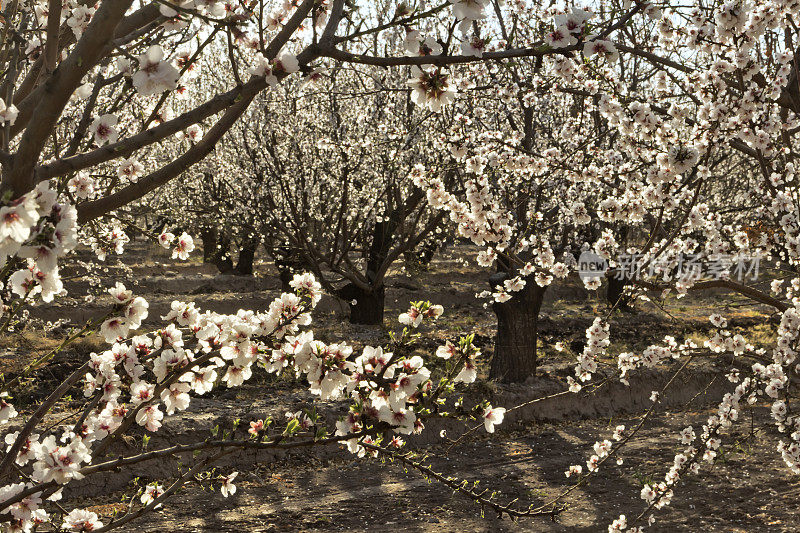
749, 491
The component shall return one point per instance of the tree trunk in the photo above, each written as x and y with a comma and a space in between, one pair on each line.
244, 266
285, 276
209, 237
287, 262
366, 307
615, 292
222, 255
515, 357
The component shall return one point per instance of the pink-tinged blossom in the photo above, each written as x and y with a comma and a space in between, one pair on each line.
155, 75
183, 247
81, 520
493, 416
227, 488
104, 129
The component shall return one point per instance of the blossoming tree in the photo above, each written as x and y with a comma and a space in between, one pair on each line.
329, 180
94, 95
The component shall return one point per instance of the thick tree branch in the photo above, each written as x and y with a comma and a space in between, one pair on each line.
57, 91
90, 210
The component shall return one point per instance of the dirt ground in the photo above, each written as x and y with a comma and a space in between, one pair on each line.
345, 495
749, 490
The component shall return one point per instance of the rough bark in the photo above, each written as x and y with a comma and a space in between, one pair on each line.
247, 254
222, 255
366, 307
515, 353
615, 292
209, 238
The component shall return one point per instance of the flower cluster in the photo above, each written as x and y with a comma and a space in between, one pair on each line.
181, 246
142, 378
40, 230
271, 70
569, 28
597, 341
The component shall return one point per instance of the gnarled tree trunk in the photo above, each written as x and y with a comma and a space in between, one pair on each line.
209, 237
247, 254
515, 356
615, 292
222, 256
366, 307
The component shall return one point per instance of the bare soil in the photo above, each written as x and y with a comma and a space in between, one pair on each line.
749, 491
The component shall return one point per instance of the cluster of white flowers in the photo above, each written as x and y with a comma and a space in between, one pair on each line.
480, 220
130, 168
652, 356
80, 15
109, 239
285, 63
597, 341
155, 74
81, 185
415, 45
569, 28
142, 378
602, 451
133, 310
181, 246
417, 312
39, 229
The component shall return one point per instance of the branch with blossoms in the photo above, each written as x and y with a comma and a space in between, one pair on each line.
107, 419
771, 380
484, 498
389, 391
